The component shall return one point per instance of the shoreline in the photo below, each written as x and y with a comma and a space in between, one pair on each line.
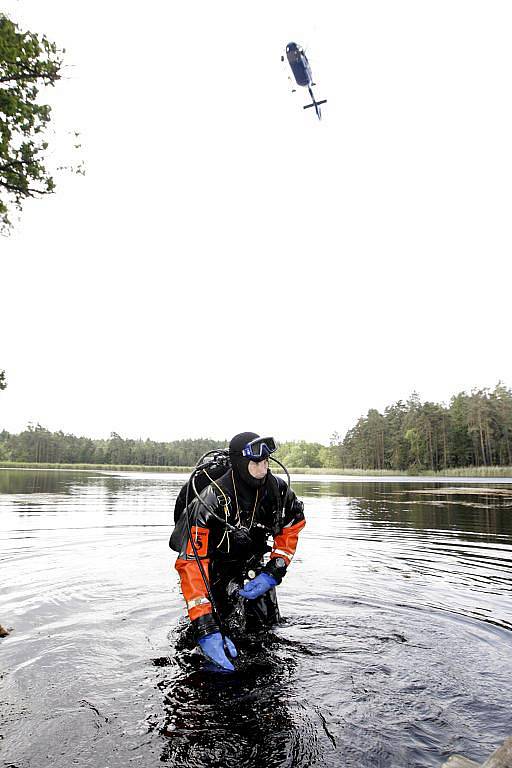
477, 472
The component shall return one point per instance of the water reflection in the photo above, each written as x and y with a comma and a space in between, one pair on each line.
435, 506
477, 511
30, 481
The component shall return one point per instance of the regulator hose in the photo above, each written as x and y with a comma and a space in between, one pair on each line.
288, 481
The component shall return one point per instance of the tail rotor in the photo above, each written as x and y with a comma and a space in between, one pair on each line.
315, 103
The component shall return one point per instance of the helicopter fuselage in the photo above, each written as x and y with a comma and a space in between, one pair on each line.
299, 65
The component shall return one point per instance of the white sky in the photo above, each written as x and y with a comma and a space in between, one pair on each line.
230, 263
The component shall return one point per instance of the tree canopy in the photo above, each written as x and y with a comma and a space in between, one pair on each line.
38, 444
28, 61
475, 429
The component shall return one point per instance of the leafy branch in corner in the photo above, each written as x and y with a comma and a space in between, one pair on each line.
28, 62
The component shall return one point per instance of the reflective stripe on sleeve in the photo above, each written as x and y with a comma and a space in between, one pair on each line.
197, 601
289, 555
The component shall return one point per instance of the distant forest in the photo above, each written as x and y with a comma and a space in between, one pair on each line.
473, 430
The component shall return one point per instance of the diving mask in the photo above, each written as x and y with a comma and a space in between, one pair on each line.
259, 448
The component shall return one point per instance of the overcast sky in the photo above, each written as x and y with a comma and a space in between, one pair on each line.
229, 263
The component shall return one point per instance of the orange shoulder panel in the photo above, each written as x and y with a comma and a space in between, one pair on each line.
200, 539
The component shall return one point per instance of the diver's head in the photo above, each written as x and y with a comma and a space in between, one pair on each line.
249, 457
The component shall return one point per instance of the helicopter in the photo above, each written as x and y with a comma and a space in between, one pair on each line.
301, 69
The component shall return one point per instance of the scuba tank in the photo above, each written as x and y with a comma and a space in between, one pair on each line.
216, 467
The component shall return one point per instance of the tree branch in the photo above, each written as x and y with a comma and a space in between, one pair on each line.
23, 192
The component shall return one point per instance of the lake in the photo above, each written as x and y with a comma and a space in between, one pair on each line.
395, 649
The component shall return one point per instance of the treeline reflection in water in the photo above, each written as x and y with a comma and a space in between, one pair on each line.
395, 650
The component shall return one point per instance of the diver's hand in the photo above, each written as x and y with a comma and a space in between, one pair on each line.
258, 586
213, 646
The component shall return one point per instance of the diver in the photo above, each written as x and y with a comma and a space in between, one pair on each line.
228, 569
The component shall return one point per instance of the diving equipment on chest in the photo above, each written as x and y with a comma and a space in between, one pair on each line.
244, 540
241, 539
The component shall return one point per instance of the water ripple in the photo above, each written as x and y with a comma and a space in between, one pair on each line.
396, 649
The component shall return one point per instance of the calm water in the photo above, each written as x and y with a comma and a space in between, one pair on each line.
396, 649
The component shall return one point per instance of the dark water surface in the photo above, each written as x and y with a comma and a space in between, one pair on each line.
396, 649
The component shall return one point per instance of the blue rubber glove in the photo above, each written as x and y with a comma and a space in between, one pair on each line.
258, 586
213, 647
